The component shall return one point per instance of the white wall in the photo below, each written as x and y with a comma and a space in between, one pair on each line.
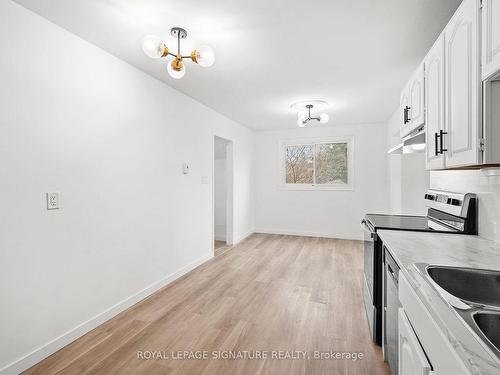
487, 189
408, 179
321, 213
111, 140
220, 192
394, 166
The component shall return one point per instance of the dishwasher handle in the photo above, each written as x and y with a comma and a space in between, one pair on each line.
391, 272
392, 267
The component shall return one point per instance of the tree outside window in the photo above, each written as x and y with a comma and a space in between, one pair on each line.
317, 164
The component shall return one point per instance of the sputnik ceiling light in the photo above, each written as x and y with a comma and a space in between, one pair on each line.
304, 108
155, 48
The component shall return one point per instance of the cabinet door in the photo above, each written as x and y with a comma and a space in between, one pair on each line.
416, 92
434, 104
412, 359
404, 107
462, 80
491, 38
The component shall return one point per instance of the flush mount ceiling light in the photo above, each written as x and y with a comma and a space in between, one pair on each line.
304, 108
155, 48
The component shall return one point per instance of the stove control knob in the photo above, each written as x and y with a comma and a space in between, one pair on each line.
430, 197
454, 202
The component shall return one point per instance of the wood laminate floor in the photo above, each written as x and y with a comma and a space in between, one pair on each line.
269, 293
220, 247
218, 244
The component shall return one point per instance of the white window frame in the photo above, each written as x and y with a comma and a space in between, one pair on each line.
315, 141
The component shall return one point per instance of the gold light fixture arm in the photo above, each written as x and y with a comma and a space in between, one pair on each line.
179, 33
177, 63
194, 56
164, 50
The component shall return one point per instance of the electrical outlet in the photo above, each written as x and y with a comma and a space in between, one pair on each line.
52, 200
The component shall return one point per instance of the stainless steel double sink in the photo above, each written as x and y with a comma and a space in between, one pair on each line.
479, 291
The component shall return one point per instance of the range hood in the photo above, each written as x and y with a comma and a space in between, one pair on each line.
411, 144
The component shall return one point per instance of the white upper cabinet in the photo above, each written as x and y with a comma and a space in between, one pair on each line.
412, 103
490, 38
462, 93
434, 105
404, 106
455, 90
416, 92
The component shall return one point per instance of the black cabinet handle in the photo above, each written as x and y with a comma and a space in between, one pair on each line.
441, 141
436, 149
406, 115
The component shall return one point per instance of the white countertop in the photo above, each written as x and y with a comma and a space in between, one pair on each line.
409, 248
442, 248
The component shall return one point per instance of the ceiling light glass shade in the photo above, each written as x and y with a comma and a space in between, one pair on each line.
301, 123
323, 118
177, 74
205, 56
151, 45
302, 115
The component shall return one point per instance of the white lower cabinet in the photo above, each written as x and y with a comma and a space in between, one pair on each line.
423, 347
412, 359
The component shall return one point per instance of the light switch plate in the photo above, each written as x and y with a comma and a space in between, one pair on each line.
52, 200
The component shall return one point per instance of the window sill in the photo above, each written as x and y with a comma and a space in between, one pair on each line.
317, 187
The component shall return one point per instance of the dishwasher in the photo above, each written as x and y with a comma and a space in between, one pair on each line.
390, 317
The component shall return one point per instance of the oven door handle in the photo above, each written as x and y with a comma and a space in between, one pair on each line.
365, 226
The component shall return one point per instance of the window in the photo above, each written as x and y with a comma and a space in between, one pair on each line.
317, 164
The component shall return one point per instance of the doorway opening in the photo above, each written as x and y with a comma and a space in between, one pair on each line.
223, 195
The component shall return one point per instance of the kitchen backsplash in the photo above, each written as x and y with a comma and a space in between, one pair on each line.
486, 187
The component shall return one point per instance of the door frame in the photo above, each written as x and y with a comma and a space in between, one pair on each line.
229, 190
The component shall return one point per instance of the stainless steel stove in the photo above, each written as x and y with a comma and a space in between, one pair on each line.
447, 212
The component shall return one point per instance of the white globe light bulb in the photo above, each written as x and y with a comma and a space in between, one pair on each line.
205, 56
301, 123
302, 115
177, 74
152, 46
323, 118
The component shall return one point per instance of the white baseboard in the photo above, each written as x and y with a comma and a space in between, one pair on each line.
51, 347
355, 237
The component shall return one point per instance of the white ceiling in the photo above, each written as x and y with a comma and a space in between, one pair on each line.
270, 53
